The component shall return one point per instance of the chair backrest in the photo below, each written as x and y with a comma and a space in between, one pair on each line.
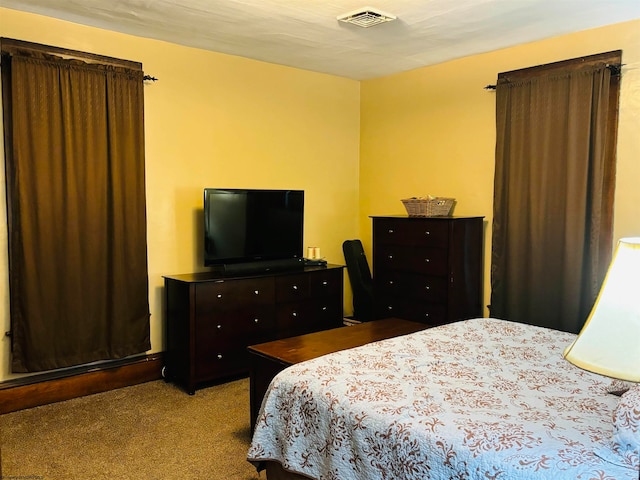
360, 279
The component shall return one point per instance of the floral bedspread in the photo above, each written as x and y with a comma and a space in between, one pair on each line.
477, 399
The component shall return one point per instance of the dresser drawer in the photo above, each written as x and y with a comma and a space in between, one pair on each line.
294, 319
409, 232
243, 326
292, 288
227, 295
427, 260
327, 313
410, 285
429, 313
326, 283
220, 360
306, 317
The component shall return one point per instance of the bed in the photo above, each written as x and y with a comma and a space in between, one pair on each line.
476, 399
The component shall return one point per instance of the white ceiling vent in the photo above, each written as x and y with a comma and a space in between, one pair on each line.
366, 17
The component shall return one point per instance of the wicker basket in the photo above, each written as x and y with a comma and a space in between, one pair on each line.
429, 206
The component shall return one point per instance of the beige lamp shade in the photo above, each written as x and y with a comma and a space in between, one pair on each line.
609, 343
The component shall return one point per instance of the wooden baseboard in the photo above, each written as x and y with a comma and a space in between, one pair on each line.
41, 390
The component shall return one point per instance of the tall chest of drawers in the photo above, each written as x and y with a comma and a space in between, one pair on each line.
428, 269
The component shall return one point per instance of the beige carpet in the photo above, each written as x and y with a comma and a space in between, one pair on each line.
148, 431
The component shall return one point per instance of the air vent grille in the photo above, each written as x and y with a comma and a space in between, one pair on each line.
366, 17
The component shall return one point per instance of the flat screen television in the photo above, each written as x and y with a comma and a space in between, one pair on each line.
254, 227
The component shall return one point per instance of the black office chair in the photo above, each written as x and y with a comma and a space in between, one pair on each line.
360, 279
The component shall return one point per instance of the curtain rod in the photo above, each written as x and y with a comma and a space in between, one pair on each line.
150, 78
616, 69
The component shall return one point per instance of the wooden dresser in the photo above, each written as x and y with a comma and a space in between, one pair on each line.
428, 269
211, 319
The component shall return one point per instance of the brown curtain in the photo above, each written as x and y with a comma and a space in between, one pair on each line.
76, 207
553, 195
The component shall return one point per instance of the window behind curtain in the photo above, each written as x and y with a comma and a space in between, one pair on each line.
74, 154
554, 185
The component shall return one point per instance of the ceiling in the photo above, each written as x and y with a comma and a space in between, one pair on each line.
306, 33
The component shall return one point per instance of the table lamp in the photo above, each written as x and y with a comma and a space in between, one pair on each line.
609, 343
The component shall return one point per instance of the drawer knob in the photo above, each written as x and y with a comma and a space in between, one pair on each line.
391, 230
295, 287
257, 292
390, 308
256, 320
427, 287
426, 315
390, 282
325, 283
294, 314
219, 295
219, 356
324, 309
390, 257
219, 327
427, 232
427, 260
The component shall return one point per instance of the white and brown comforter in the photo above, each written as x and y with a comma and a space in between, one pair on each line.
477, 399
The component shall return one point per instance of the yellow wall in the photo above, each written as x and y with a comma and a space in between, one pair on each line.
216, 120
432, 130
355, 148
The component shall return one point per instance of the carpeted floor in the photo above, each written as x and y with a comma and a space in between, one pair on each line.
149, 431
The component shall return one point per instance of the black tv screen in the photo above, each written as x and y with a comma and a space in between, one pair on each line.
248, 225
